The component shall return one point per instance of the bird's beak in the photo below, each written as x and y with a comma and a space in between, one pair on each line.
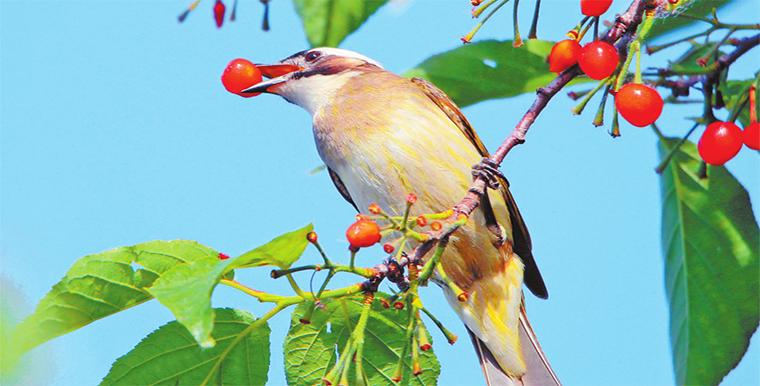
277, 74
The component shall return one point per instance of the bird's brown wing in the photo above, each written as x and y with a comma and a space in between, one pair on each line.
521, 238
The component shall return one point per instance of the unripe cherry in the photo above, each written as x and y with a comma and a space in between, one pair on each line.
374, 209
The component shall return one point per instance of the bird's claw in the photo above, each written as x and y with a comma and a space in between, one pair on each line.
489, 169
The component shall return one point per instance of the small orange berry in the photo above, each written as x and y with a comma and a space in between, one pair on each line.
435, 225
374, 209
411, 198
363, 233
312, 237
388, 248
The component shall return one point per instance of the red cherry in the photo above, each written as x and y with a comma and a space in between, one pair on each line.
752, 136
595, 7
239, 75
219, 13
598, 59
363, 233
564, 54
639, 104
720, 142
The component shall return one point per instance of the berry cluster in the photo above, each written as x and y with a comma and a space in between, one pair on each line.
639, 104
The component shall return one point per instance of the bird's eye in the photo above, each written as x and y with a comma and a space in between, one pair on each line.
312, 56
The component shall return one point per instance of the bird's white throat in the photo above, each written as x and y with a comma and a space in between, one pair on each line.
316, 91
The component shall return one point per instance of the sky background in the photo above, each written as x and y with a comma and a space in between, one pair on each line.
116, 130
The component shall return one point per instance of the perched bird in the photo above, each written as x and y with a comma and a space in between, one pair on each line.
383, 136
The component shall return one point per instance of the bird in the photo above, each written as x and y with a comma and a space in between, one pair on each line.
383, 136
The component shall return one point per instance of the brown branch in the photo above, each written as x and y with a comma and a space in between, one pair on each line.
625, 24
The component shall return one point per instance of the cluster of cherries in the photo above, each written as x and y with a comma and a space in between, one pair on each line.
639, 104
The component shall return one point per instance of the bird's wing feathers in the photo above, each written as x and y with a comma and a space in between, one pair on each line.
341, 188
521, 238
539, 372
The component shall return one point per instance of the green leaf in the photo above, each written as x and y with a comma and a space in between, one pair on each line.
170, 356
100, 285
186, 289
486, 70
688, 61
310, 348
282, 252
694, 8
328, 22
736, 91
710, 244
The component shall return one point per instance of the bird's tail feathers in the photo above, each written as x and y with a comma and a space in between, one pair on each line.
538, 373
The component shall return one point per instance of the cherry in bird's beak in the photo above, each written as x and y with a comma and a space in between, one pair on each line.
276, 74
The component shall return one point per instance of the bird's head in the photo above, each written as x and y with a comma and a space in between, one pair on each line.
311, 78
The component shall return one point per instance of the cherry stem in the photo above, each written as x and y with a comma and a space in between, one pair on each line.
533, 33
661, 167
477, 12
615, 129
517, 41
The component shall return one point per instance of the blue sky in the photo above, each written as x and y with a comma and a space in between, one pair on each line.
116, 130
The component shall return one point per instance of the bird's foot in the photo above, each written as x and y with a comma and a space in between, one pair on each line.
489, 170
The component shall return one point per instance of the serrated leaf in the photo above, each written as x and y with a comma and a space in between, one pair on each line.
486, 70
710, 244
310, 349
328, 22
170, 356
186, 289
694, 8
100, 285
282, 252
